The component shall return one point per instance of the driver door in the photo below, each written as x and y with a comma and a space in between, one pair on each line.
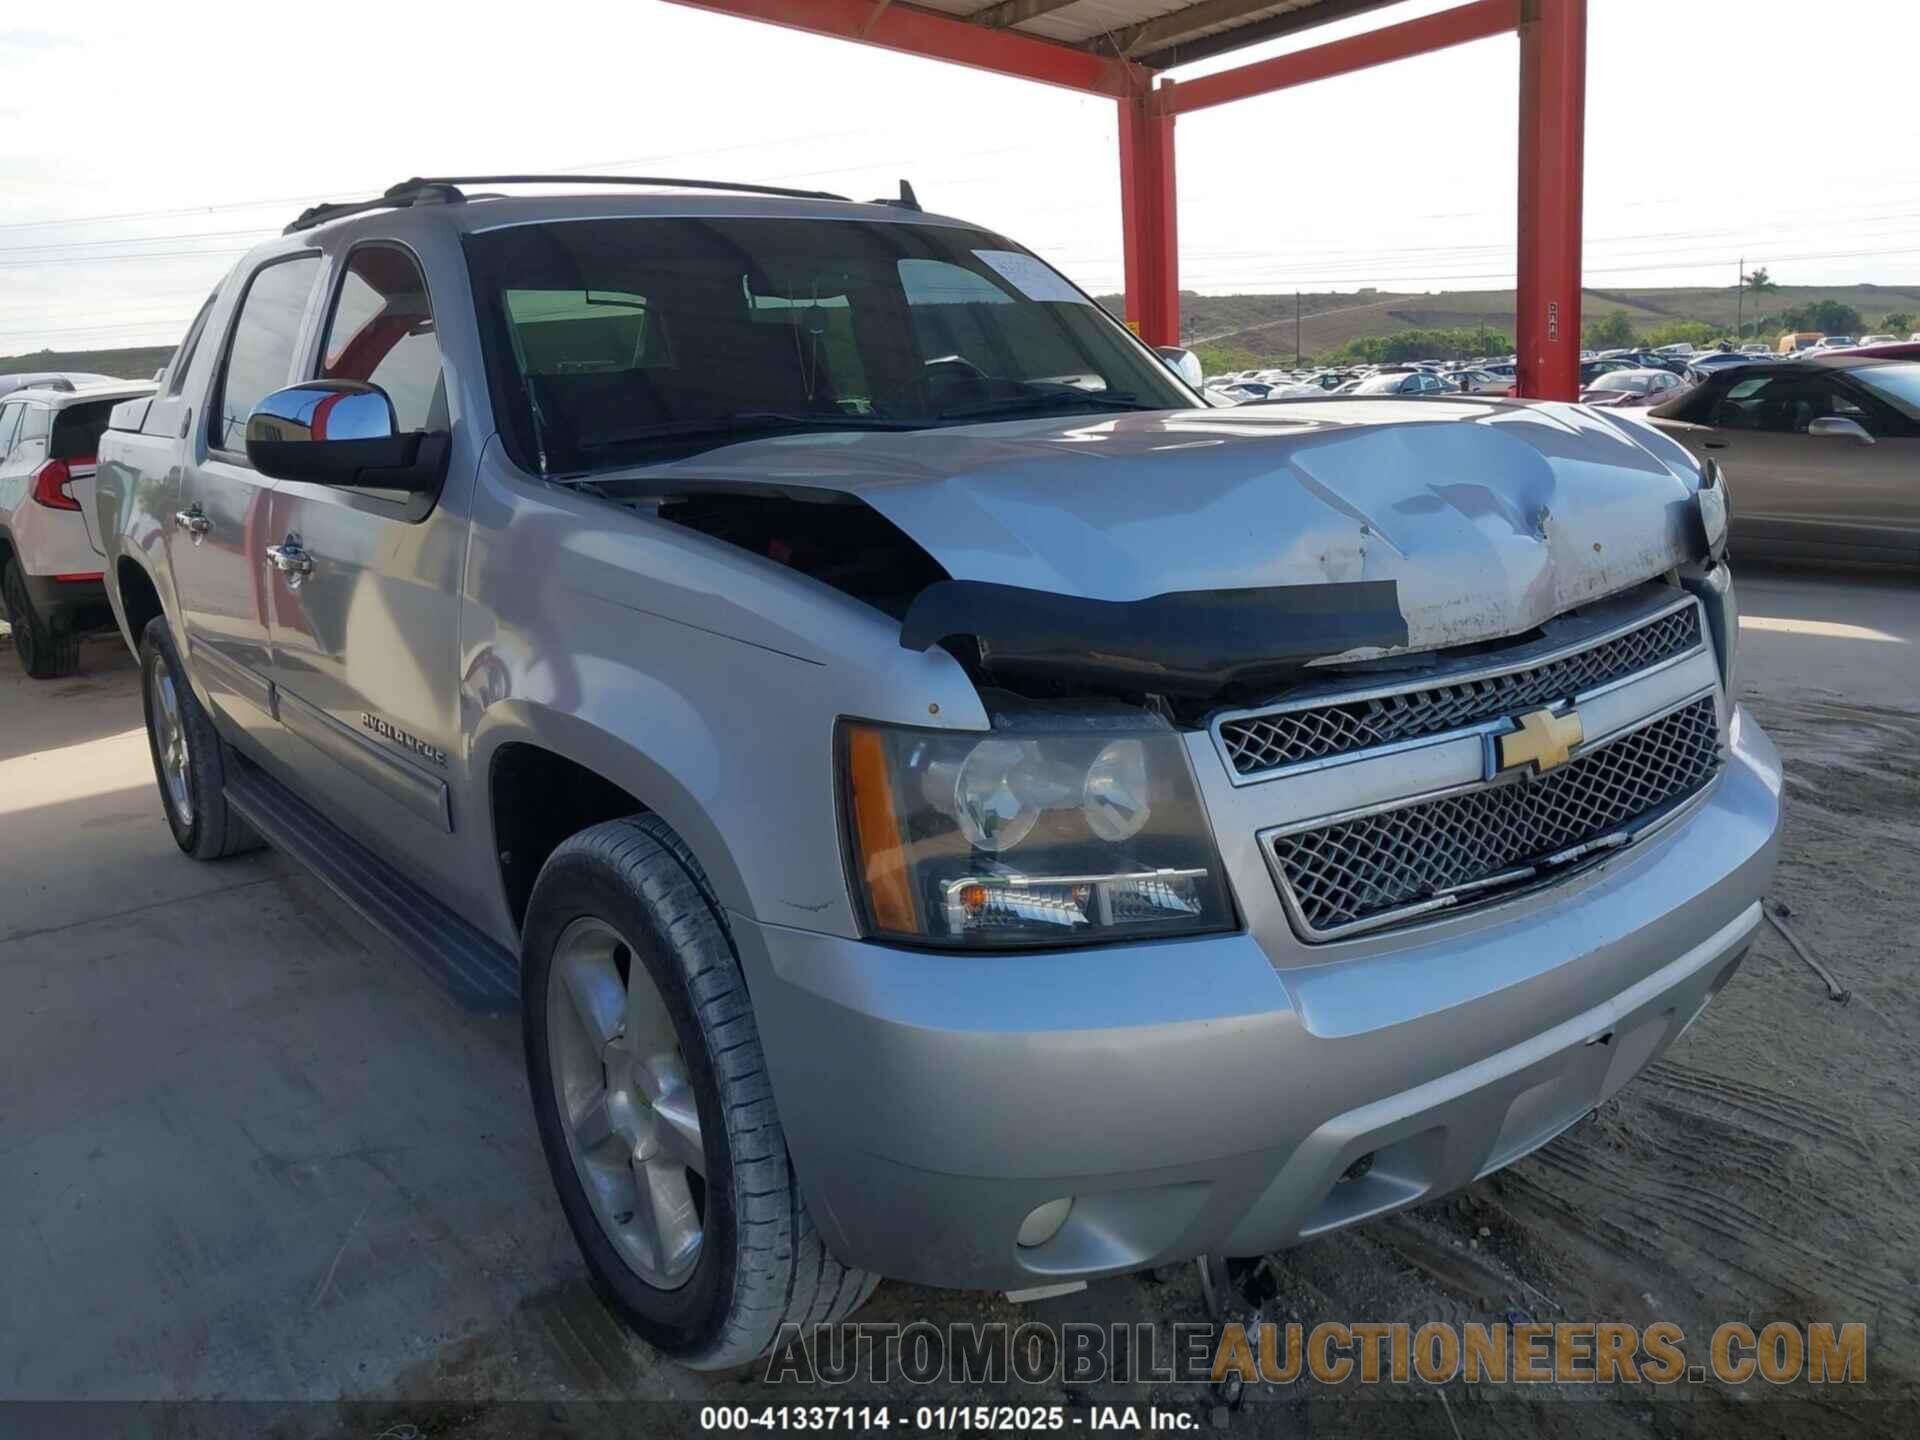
363, 601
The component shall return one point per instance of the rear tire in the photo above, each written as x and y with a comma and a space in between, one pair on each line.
684, 1203
43, 654
189, 757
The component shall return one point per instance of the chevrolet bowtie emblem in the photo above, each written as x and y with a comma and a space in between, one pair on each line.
1544, 740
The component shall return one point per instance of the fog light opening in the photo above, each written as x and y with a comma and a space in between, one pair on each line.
1043, 1222
1357, 1170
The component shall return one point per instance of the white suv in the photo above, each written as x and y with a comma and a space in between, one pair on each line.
50, 572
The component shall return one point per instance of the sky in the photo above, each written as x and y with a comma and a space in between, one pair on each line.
145, 146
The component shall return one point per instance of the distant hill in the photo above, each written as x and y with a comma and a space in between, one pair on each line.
135, 364
1264, 324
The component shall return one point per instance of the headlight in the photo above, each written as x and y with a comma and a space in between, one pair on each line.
1715, 512
1018, 839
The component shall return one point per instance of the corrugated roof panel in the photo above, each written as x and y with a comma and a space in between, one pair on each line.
1173, 25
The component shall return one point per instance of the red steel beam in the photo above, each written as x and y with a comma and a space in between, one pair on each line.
1149, 218
1553, 109
1441, 31
942, 37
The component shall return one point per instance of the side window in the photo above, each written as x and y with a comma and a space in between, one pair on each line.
182, 358
1789, 404
381, 331
260, 354
9, 423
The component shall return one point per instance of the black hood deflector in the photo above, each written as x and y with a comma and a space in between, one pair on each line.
1192, 643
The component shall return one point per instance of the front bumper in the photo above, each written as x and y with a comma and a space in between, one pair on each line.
1195, 1096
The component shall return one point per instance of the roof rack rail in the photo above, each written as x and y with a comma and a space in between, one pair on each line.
445, 190
397, 197
658, 182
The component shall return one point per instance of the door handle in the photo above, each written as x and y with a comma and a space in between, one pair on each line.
194, 522
1713, 444
291, 559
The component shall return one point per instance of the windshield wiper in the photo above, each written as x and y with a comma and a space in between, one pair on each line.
1066, 396
745, 422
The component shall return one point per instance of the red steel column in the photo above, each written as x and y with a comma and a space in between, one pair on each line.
1148, 218
1553, 110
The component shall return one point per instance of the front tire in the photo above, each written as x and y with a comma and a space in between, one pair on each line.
654, 1106
44, 654
189, 757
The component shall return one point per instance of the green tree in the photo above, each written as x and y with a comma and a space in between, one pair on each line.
1758, 282
1901, 322
1829, 317
1218, 359
1612, 331
1689, 332
1451, 344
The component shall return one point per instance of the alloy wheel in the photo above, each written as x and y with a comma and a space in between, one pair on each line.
626, 1103
170, 739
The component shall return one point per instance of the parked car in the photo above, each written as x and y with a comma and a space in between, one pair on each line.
936, 821
1756, 347
50, 380
1794, 341
1288, 391
1629, 388
1865, 340
1592, 370
1481, 382
1403, 382
51, 590
1823, 454
1707, 361
1898, 350
1832, 342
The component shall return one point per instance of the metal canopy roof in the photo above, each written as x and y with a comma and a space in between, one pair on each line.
1156, 34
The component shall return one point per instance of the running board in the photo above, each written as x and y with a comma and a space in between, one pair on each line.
478, 972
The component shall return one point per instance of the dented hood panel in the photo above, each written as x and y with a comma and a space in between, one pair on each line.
1490, 517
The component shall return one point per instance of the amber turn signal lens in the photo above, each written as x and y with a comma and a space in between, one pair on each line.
880, 847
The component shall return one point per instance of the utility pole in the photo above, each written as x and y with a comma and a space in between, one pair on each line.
1296, 329
1739, 302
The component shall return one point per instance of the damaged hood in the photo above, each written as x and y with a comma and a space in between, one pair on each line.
1488, 518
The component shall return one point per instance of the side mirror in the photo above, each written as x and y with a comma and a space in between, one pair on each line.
342, 432
1183, 363
1838, 427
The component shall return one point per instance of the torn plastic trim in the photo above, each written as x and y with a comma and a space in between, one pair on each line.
1195, 643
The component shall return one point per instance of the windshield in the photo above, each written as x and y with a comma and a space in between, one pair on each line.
1899, 384
1624, 380
617, 342
1381, 384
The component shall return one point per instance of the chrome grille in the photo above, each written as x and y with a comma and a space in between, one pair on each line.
1388, 865
1257, 744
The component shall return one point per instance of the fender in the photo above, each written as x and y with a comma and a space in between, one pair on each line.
616, 760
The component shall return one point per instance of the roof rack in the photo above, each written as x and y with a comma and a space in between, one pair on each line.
445, 190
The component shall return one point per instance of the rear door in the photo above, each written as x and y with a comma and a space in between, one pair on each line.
366, 657
216, 547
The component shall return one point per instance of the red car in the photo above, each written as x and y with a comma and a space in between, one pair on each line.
1622, 388
1894, 350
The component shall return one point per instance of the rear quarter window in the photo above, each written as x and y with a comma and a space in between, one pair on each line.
78, 428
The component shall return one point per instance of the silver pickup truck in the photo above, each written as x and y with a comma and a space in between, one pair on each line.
946, 803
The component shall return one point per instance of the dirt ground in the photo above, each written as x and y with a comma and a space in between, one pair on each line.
1767, 1167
